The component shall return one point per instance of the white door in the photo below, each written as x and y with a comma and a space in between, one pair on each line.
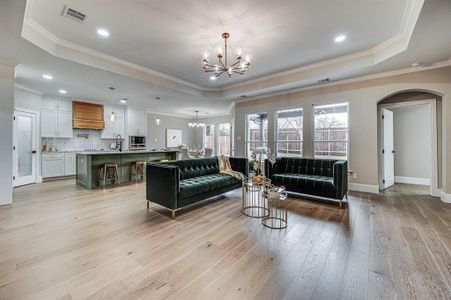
24, 150
388, 150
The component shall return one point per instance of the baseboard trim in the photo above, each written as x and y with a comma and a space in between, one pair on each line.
366, 188
412, 180
446, 197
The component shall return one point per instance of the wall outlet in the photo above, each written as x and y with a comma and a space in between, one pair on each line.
354, 175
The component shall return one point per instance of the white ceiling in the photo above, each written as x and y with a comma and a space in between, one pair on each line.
429, 43
170, 36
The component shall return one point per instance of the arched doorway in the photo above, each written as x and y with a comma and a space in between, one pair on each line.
404, 147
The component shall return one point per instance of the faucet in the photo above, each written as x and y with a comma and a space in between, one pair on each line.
119, 142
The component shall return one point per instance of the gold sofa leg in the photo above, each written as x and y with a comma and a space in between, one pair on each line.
173, 213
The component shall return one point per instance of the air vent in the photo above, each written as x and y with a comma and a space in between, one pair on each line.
326, 80
74, 14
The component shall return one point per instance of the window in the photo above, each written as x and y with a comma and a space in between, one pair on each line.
224, 139
289, 132
257, 133
331, 131
209, 136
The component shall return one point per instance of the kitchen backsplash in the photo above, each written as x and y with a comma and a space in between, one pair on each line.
92, 142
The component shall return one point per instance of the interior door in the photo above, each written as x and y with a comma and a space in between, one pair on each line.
388, 150
25, 142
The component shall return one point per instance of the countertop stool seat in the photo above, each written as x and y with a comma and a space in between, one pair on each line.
108, 172
138, 170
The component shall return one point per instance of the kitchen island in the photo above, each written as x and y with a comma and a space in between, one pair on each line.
88, 164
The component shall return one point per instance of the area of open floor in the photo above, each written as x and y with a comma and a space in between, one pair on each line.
59, 241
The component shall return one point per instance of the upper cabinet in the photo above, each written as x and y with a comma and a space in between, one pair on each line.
116, 127
56, 118
88, 115
137, 122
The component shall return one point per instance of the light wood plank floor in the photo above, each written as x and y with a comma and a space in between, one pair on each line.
58, 241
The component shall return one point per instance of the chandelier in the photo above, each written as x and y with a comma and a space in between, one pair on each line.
196, 122
239, 66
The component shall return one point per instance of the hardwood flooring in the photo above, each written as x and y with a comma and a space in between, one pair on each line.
58, 241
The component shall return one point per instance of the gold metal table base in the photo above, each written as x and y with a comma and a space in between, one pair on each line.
254, 204
275, 223
256, 211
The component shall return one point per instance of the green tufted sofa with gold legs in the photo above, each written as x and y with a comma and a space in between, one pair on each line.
179, 183
322, 178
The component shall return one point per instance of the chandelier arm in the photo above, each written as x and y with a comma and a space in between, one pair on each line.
222, 71
237, 62
222, 64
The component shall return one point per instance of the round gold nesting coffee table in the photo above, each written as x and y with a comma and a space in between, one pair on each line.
278, 216
254, 204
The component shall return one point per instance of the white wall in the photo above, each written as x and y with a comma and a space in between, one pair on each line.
362, 97
412, 137
26, 99
156, 134
6, 125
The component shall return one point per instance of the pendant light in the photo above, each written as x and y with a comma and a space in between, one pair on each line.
113, 114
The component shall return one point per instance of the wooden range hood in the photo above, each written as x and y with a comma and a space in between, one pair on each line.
87, 115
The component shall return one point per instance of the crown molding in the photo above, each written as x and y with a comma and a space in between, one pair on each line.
438, 65
40, 36
27, 89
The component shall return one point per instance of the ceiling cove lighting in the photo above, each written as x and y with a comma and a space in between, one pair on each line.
103, 32
62, 91
239, 66
196, 122
340, 38
47, 76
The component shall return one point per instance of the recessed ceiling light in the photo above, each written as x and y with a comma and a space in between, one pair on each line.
103, 32
157, 98
47, 76
62, 91
212, 78
340, 38
124, 100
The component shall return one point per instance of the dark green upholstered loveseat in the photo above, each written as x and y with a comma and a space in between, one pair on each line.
325, 178
179, 183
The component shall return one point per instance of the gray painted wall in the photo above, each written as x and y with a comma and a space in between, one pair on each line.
156, 134
412, 133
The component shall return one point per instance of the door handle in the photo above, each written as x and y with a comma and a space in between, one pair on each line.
393, 151
33, 152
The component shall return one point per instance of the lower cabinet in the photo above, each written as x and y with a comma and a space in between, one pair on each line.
58, 164
52, 165
69, 163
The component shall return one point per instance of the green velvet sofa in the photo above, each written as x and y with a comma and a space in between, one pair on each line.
179, 183
321, 178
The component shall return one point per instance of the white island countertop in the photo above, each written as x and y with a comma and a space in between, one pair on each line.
124, 152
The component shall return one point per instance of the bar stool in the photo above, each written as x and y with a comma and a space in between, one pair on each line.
138, 170
108, 172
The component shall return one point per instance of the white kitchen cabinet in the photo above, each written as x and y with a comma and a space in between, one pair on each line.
136, 122
49, 104
65, 124
116, 127
69, 163
52, 165
56, 118
49, 123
